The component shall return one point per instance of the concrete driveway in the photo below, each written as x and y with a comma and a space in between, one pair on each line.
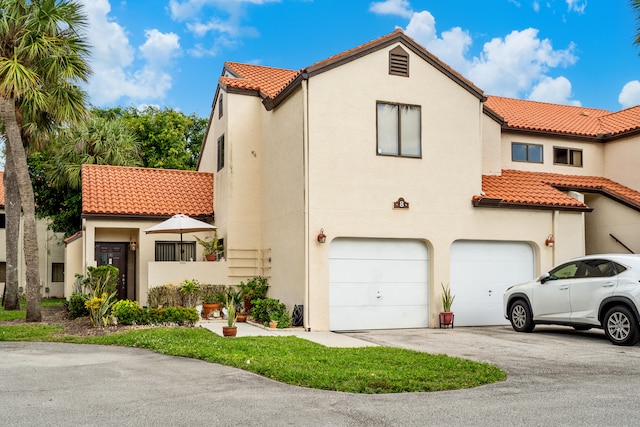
556, 377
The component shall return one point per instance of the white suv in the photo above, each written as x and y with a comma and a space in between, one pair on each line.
601, 291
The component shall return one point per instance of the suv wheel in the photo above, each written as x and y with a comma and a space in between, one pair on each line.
620, 326
520, 317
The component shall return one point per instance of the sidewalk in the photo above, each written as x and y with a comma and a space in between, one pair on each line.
247, 329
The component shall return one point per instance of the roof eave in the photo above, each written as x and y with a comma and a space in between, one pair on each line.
487, 202
536, 132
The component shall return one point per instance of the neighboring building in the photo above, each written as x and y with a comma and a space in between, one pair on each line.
51, 255
362, 183
118, 204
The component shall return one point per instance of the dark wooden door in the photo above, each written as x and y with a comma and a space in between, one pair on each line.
114, 254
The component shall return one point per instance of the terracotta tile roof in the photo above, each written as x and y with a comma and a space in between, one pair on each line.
118, 190
2, 189
565, 119
270, 81
544, 190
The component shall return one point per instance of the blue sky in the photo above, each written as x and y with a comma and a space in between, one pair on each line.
171, 52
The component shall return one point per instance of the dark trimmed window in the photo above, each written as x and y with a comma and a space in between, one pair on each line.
220, 106
221, 152
3, 221
399, 130
57, 272
170, 251
567, 156
398, 62
526, 152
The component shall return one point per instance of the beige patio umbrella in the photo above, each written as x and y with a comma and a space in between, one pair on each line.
180, 224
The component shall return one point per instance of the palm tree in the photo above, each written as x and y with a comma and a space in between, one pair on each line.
42, 60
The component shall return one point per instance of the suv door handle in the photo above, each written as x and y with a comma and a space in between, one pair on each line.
607, 285
564, 287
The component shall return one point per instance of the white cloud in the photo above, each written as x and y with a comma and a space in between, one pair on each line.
630, 94
555, 91
116, 75
511, 66
392, 7
577, 5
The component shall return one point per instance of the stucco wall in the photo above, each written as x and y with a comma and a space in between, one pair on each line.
621, 161
610, 217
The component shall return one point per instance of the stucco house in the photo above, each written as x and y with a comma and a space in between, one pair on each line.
51, 253
360, 184
118, 204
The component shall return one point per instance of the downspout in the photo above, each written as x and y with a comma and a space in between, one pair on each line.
305, 155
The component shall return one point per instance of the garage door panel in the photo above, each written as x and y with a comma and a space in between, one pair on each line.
348, 318
367, 271
378, 284
481, 271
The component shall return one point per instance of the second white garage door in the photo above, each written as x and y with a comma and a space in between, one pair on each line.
378, 284
481, 271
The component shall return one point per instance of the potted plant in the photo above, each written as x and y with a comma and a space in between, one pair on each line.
231, 329
212, 300
236, 297
255, 288
273, 322
212, 246
446, 316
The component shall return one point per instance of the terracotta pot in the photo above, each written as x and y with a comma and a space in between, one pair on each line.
446, 318
273, 324
229, 331
209, 308
241, 317
211, 257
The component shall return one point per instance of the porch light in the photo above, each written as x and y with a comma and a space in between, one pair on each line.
133, 246
550, 241
322, 237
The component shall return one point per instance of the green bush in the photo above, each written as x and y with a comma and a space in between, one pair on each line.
174, 316
128, 312
77, 307
267, 309
164, 294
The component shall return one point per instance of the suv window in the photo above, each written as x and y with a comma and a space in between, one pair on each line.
597, 268
565, 271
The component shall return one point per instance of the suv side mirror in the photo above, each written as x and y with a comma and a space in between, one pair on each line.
544, 278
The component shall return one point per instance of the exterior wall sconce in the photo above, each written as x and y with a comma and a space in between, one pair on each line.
322, 237
550, 241
133, 246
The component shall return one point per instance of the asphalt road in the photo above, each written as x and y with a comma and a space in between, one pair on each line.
556, 377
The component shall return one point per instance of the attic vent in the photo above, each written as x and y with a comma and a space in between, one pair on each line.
398, 62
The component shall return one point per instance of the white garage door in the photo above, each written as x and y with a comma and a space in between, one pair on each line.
481, 271
378, 284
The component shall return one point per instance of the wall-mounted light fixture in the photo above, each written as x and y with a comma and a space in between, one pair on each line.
133, 245
550, 241
322, 237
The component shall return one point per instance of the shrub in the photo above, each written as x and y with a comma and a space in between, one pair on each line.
76, 305
164, 294
102, 283
190, 290
209, 293
266, 309
128, 312
174, 316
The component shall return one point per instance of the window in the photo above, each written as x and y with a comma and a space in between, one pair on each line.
399, 130
220, 106
221, 152
526, 152
170, 251
567, 156
565, 271
398, 62
57, 272
3, 221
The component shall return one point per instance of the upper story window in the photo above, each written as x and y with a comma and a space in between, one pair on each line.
398, 62
220, 106
221, 152
567, 156
526, 152
399, 130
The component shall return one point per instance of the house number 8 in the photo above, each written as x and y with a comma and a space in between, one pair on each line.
401, 204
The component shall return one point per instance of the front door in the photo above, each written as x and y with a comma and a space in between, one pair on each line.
114, 254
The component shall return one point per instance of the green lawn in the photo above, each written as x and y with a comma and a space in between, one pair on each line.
21, 314
293, 360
